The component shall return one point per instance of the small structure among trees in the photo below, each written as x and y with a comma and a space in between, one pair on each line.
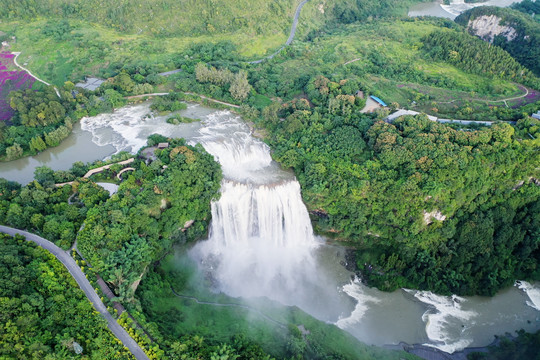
90, 84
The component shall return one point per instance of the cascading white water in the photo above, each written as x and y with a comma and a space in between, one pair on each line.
446, 321
261, 240
533, 292
258, 215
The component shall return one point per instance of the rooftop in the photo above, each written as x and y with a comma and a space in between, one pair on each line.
90, 84
378, 100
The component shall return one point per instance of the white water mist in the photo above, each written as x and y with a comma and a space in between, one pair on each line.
261, 241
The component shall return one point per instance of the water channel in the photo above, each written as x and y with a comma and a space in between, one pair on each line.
452, 10
261, 241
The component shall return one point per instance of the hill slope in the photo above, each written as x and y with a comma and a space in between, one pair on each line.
510, 29
198, 17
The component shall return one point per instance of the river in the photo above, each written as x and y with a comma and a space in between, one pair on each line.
261, 242
456, 7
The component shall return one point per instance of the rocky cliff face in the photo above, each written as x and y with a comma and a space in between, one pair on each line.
488, 27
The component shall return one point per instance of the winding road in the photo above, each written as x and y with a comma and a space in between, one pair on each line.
84, 284
32, 75
291, 35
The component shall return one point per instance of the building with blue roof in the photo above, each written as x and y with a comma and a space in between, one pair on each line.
382, 103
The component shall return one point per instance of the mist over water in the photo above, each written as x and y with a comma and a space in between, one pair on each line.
261, 240
261, 243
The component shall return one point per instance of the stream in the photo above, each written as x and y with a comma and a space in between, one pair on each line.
261, 243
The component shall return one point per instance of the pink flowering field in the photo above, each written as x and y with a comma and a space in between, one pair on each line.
10, 79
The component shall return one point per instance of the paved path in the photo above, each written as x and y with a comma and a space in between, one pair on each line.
119, 175
291, 35
402, 112
84, 284
30, 73
167, 73
351, 61
98, 170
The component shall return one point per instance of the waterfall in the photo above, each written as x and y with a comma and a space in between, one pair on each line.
261, 244
261, 241
261, 215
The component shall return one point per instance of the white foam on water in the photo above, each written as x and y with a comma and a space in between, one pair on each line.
443, 318
126, 124
456, 7
356, 290
533, 292
229, 139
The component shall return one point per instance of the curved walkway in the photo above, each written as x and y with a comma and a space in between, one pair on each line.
98, 170
291, 35
494, 101
119, 175
30, 73
85, 285
228, 305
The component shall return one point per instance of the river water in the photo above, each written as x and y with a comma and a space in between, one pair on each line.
456, 7
261, 242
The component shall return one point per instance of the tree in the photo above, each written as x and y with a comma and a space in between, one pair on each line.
114, 98
124, 82
240, 86
14, 152
44, 175
37, 144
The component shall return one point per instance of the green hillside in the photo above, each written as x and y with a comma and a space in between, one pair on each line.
67, 39
191, 17
524, 45
163, 17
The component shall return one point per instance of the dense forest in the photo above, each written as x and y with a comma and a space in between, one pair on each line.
179, 18
530, 7
43, 313
450, 210
523, 44
165, 202
476, 57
